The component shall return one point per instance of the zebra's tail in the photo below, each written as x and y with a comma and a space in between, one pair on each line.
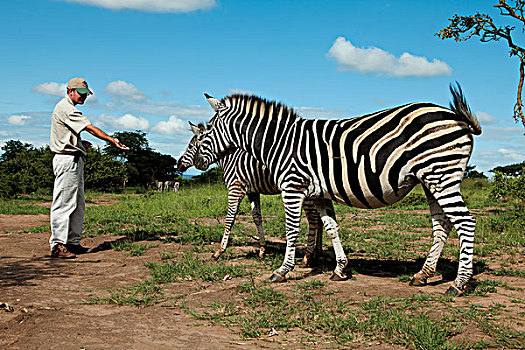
461, 108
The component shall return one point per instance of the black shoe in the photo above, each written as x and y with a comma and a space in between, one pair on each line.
77, 249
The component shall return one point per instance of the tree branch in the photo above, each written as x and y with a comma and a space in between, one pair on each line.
518, 107
462, 28
518, 5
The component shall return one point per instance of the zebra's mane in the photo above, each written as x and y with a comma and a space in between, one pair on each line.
265, 108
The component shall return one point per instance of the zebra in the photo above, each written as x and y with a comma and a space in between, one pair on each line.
168, 185
366, 162
243, 176
159, 185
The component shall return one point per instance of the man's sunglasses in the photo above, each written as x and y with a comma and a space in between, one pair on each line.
81, 94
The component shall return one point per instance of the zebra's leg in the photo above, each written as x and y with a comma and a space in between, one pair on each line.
327, 213
235, 196
255, 202
293, 202
315, 234
441, 227
453, 206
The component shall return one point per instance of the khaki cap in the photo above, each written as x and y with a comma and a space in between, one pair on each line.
80, 85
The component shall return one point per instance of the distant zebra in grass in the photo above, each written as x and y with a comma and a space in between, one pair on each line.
169, 185
159, 185
243, 176
366, 162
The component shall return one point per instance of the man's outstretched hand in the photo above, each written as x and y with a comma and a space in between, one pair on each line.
118, 144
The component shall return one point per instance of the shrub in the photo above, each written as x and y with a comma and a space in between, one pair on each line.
507, 187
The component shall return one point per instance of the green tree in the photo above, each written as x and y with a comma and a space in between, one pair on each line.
512, 169
13, 148
472, 173
25, 169
213, 175
506, 187
135, 140
462, 28
102, 172
142, 164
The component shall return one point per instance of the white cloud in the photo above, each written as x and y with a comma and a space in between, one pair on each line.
160, 108
125, 90
511, 155
169, 6
18, 119
173, 126
239, 91
126, 122
319, 113
375, 60
51, 88
485, 118
502, 133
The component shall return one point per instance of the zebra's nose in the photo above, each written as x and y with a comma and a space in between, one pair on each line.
181, 168
200, 164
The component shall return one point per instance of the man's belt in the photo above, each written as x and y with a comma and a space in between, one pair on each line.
76, 155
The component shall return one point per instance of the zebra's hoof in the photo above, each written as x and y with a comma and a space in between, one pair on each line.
217, 254
262, 252
338, 276
453, 291
306, 262
277, 278
418, 282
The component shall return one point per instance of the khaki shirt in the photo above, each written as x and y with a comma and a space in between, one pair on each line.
66, 124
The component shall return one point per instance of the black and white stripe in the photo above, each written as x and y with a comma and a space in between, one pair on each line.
366, 162
244, 175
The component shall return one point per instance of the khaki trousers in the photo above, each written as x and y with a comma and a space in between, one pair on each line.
67, 210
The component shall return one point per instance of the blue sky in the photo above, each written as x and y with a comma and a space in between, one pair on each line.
149, 64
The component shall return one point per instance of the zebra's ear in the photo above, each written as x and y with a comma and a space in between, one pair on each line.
214, 103
195, 129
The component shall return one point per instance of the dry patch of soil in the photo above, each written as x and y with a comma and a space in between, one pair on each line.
48, 297
22, 222
50, 310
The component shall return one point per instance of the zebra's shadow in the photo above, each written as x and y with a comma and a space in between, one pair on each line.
390, 268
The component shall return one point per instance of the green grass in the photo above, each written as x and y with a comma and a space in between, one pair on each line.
313, 311
142, 294
25, 206
507, 272
195, 267
176, 268
396, 321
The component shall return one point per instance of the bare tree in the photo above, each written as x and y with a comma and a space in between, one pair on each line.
462, 28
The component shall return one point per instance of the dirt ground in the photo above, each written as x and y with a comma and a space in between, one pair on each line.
48, 297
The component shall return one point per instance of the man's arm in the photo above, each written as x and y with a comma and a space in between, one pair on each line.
93, 130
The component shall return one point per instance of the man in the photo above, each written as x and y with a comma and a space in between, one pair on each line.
67, 210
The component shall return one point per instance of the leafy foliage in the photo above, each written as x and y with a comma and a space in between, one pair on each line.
472, 173
25, 169
135, 140
462, 28
512, 169
102, 172
141, 162
212, 176
505, 187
